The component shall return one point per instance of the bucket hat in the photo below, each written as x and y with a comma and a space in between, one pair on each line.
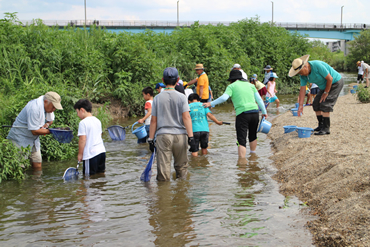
235, 75
55, 99
268, 67
297, 65
199, 66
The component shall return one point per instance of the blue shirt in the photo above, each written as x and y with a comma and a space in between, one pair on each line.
319, 70
198, 116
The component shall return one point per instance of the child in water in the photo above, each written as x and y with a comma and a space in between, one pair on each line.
199, 121
148, 96
271, 90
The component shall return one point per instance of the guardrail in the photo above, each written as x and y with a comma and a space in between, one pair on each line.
173, 24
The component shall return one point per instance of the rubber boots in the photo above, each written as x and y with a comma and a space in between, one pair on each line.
326, 127
319, 118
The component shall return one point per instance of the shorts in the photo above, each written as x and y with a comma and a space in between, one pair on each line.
204, 100
202, 138
262, 91
359, 77
94, 165
315, 90
35, 155
330, 101
246, 124
272, 99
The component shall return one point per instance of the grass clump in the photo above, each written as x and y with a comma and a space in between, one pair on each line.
363, 94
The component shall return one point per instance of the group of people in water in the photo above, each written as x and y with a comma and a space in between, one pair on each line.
177, 117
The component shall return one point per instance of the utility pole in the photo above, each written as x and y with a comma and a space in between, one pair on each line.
341, 17
85, 13
178, 20
272, 12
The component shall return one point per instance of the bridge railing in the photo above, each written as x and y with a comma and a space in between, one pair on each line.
122, 23
172, 24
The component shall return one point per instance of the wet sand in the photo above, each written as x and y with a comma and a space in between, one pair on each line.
330, 173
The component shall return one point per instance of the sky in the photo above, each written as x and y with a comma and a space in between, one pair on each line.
310, 11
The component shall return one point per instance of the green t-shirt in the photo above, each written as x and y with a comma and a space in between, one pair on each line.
319, 70
242, 95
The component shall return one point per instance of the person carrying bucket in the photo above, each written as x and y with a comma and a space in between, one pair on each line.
327, 79
171, 124
148, 96
244, 97
30, 124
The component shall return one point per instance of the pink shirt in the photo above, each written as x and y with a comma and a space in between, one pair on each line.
271, 88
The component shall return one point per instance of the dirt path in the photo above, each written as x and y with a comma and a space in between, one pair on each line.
331, 173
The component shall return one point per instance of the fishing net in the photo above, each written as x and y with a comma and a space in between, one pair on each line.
117, 133
62, 135
70, 173
147, 173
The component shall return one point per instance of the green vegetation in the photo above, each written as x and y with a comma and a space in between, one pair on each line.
100, 65
359, 49
363, 94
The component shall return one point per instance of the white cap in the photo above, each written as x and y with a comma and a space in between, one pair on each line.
236, 66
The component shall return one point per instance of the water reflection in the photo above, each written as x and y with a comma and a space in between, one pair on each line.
170, 214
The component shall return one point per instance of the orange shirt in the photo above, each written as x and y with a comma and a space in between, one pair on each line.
203, 81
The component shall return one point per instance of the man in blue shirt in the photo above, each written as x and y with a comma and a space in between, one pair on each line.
30, 124
327, 79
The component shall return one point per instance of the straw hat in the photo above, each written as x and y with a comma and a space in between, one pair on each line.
199, 66
298, 64
358, 63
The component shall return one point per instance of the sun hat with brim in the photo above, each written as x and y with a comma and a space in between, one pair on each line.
199, 66
297, 65
268, 67
55, 99
235, 75
358, 62
236, 66
254, 76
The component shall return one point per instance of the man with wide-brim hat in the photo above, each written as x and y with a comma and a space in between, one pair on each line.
268, 73
202, 83
244, 96
330, 83
33, 121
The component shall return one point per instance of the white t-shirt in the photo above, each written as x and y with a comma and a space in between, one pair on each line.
244, 74
365, 66
91, 128
148, 105
360, 70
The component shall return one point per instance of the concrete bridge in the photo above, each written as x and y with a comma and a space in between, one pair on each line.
337, 31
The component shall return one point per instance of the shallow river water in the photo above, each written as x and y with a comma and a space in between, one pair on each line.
221, 203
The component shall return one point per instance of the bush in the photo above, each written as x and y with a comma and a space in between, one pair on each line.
363, 94
12, 159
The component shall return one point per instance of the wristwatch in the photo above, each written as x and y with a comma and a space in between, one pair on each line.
325, 92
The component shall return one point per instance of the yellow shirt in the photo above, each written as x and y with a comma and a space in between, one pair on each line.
203, 81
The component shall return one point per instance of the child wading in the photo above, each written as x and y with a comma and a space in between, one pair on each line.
90, 144
199, 121
271, 90
148, 96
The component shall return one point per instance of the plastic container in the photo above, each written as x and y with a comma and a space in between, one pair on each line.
295, 112
355, 86
264, 126
296, 105
304, 132
139, 132
353, 91
289, 128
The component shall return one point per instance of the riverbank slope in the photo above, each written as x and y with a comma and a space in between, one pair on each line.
330, 173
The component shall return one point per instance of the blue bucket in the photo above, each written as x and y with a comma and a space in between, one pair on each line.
289, 128
304, 132
355, 86
296, 105
295, 112
139, 132
264, 126
353, 91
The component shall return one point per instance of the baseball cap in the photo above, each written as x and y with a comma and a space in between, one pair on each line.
274, 75
170, 73
159, 84
55, 99
254, 76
